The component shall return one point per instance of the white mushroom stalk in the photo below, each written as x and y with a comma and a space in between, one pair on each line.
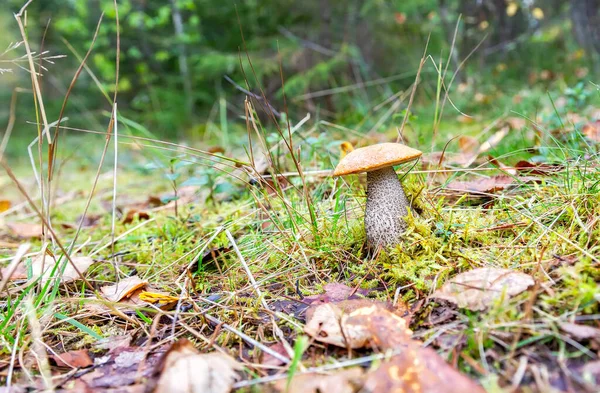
387, 204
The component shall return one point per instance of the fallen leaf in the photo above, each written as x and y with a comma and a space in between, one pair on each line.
484, 186
386, 330
185, 370
155, 297
505, 168
324, 324
592, 130
578, 331
122, 368
335, 292
345, 381
133, 214
418, 370
516, 123
25, 230
113, 342
477, 289
44, 265
536, 168
468, 144
270, 360
373, 324
75, 359
4, 205
123, 289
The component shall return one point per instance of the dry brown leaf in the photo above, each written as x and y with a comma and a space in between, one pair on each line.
536, 168
578, 331
185, 370
335, 292
592, 130
133, 214
370, 324
479, 288
123, 289
468, 144
418, 370
516, 123
76, 359
270, 360
121, 370
505, 168
385, 329
324, 324
486, 186
45, 265
113, 342
25, 230
345, 381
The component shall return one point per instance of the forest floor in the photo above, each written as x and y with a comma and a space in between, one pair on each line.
258, 257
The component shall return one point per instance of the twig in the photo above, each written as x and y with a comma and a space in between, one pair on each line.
328, 367
247, 338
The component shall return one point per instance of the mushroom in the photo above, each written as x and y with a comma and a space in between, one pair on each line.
386, 202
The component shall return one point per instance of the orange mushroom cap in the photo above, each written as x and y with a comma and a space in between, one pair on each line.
374, 157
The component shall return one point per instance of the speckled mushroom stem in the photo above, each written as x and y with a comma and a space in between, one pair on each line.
386, 206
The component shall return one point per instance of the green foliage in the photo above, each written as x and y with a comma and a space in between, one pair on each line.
175, 54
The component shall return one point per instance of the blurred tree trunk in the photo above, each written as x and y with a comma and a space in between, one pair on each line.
586, 24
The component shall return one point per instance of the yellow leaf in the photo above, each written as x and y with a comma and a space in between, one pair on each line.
345, 147
153, 297
512, 9
484, 25
4, 205
537, 13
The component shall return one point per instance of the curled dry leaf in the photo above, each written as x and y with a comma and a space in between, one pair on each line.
369, 324
123, 289
418, 370
479, 288
185, 370
345, 381
76, 359
25, 230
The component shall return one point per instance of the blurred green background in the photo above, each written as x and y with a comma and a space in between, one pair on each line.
184, 65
